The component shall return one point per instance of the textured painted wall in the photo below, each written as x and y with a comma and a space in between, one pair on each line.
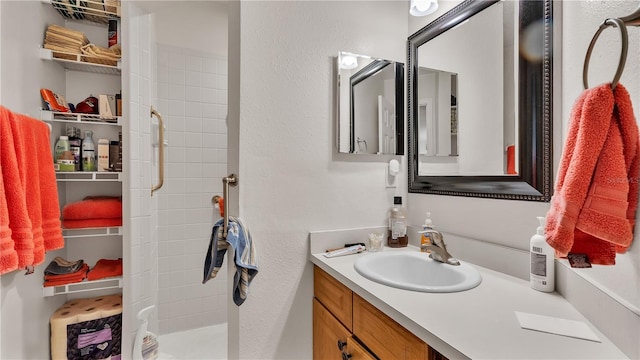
290, 180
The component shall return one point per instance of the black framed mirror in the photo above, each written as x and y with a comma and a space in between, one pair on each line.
480, 102
370, 94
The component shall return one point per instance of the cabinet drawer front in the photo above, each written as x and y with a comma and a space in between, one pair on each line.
328, 332
385, 337
335, 296
356, 350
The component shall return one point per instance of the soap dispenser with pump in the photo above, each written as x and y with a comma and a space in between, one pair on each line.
542, 270
425, 234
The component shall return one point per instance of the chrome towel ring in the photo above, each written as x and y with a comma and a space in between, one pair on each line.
623, 54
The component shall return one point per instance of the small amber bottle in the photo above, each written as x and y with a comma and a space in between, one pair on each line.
397, 234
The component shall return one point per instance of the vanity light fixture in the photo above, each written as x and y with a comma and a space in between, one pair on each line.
348, 62
423, 7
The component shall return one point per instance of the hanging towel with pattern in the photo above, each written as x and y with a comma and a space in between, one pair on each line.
239, 238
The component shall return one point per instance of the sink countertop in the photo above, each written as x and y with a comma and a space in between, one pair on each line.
479, 323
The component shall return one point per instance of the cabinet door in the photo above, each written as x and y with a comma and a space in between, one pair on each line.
355, 351
334, 295
383, 336
329, 335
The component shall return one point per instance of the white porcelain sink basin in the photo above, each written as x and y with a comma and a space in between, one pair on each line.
416, 271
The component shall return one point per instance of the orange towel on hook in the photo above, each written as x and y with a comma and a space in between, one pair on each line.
15, 197
596, 194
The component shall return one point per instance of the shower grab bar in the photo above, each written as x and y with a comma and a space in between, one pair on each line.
160, 151
231, 180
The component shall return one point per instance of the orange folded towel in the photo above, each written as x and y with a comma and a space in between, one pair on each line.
91, 223
58, 280
8, 255
19, 222
93, 208
596, 194
105, 268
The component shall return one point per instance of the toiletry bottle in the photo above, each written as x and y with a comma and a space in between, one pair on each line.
75, 145
62, 145
542, 271
425, 234
88, 152
397, 225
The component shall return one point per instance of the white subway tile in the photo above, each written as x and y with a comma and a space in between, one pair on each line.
193, 93
176, 92
193, 109
176, 60
192, 78
194, 63
177, 77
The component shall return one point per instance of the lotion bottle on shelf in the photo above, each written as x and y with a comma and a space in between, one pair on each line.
542, 270
88, 152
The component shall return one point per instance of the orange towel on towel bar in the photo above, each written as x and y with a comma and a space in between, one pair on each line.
596, 195
8, 255
15, 197
50, 207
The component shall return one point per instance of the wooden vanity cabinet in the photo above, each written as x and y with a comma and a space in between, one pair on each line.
345, 326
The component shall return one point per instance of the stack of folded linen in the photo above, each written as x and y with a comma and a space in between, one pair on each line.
93, 211
65, 43
105, 268
61, 272
100, 55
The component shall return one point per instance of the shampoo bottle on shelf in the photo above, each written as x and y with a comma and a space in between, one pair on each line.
397, 236
88, 152
542, 274
75, 145
62, 145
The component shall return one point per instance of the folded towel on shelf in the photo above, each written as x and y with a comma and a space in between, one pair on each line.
239, 238
596, 194
14, 194
96, 54
61, 266
58, 280
105, 268
93, 208
91, 223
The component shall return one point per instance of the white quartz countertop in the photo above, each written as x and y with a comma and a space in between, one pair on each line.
480, 323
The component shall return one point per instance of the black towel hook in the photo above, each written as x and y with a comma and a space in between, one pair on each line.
623, 54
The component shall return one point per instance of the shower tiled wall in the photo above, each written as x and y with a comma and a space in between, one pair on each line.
192, 94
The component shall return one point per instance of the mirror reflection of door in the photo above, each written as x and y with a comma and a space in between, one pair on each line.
477, 137
438, 120
386, 126
370, 113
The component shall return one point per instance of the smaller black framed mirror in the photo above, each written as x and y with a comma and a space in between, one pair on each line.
485, 128
370, 94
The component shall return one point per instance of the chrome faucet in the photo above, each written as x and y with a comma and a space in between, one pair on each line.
439, 250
